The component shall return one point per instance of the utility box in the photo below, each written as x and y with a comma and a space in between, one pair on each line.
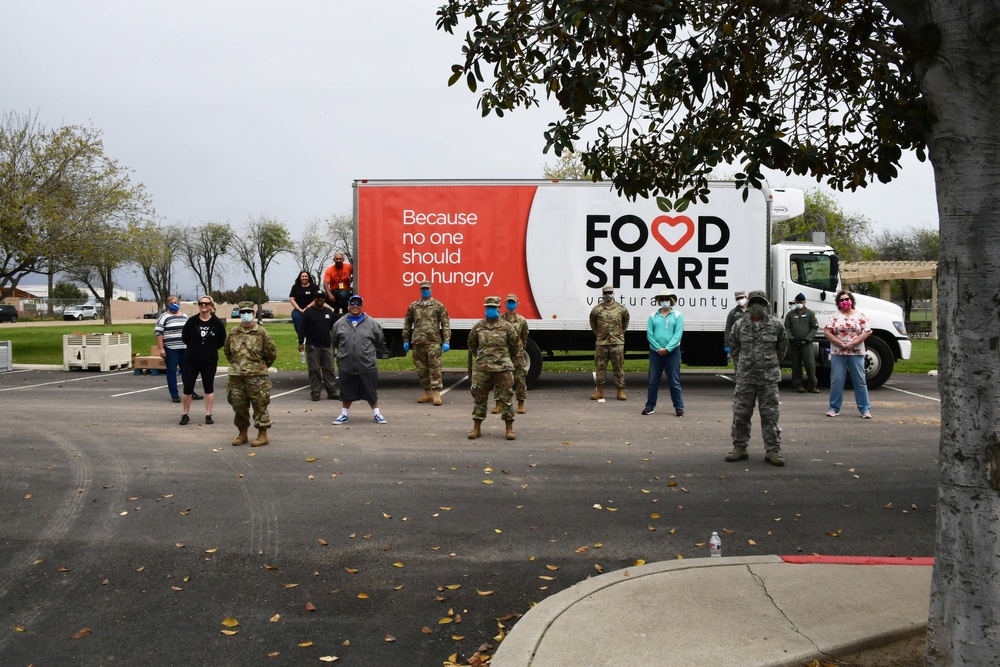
6, 356
104, 352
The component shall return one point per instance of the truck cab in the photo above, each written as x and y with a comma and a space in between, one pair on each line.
813, 269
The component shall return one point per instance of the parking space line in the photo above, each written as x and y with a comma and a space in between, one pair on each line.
903, 391
291, 391
726, 377
464, 378
43, 384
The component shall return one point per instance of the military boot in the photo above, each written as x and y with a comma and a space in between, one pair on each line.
496, 409
598, 394
520, 407
475, 432
510, 429
436, 397
261, 438
738, 454
774, 458
427, 397
241, 439
621, 394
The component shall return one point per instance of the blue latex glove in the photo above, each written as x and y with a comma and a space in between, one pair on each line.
406, 348
726, 349
445, 347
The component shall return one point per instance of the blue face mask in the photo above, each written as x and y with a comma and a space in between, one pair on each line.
246, 317
492, 312
512, 305
174, 307
425, 293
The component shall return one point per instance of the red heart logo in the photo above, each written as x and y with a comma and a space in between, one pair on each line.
673, 222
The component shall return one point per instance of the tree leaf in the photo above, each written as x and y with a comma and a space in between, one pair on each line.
275, 618
81, 633
230, 622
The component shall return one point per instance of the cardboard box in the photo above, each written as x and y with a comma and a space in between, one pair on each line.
149, 362
154, 351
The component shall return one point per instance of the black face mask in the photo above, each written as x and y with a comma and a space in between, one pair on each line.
758, 311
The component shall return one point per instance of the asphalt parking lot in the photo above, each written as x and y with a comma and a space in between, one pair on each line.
404, 543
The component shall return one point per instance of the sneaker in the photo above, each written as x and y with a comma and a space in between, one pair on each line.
647, 411
832, 413
209, 420
379, 419
814, 390
315, 397
679, 412
176, 399
774, 458
866, 415
342, 419
738, 454
196, 396
801, 390
185, 420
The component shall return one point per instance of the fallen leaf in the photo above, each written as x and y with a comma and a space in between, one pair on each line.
639, 562
305, 644
484, 593
552, 567
350, 570
179, 545
582, 550
598, 567
362, 596
80, 634
289, 585
311, 459
751, 543
329, 658
274, 654
176, 588
310, 606
230, 622
458, 638
397, 565
544, 577
229, 633
322, 543
728, 532
39, 561
389, 638
444, 621
487, 481
445, 509
17, 628
270, 567
275, 618
212, 550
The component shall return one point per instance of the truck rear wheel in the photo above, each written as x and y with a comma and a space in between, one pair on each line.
879, 362
534, 362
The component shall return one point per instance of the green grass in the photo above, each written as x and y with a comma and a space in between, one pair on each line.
43, 345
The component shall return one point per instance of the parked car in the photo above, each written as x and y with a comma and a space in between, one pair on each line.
8, 313
85, 312
151, 315
265, 313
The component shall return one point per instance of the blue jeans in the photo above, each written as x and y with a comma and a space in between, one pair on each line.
669, 363
840, 366
174, 360
297, 323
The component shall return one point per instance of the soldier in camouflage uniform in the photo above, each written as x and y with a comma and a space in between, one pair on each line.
427, 329
250, 352
608, 321
758, 344
520, 325
493, 344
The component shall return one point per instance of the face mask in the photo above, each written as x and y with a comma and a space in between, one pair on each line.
664, 304
800, 306
758, 311
844, 305
246, 318
512, 306
426, 293
609, 298
492, 312
173, 308
741, 302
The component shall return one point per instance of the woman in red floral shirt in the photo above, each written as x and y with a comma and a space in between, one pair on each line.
847, 330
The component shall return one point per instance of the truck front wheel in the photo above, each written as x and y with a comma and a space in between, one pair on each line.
879, 362
534, 362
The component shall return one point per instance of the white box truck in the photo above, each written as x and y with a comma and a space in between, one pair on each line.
557, 243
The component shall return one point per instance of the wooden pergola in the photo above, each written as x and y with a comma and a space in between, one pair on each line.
885, 272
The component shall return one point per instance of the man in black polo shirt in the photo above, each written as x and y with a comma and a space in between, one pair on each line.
315, 339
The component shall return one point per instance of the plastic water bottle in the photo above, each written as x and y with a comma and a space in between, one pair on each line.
302, 356
715, 546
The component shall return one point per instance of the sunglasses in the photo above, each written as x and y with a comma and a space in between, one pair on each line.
204, 303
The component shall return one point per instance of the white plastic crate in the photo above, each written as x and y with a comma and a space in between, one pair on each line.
98, 351
6, 356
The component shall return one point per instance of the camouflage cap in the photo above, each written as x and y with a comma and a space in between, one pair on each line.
608, 289
512, 297
246, 305
492, 301
740, 292
758, 295
425, 284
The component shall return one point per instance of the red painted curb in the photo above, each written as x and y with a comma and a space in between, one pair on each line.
857, 560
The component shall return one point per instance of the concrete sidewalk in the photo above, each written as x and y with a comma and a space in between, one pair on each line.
749, 611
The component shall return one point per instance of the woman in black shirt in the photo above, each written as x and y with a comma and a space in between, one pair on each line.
203, 335
301, 297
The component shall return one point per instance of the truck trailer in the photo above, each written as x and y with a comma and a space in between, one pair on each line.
557, 243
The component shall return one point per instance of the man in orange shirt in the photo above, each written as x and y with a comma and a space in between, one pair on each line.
337, 283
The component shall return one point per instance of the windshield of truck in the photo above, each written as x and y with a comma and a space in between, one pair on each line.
815, 271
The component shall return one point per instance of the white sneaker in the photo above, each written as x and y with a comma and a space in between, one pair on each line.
866, 415
832, 413
379, 419
342, 419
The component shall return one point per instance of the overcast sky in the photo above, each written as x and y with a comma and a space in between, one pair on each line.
228, 109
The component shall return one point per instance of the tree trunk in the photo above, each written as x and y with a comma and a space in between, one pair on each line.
961, 83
